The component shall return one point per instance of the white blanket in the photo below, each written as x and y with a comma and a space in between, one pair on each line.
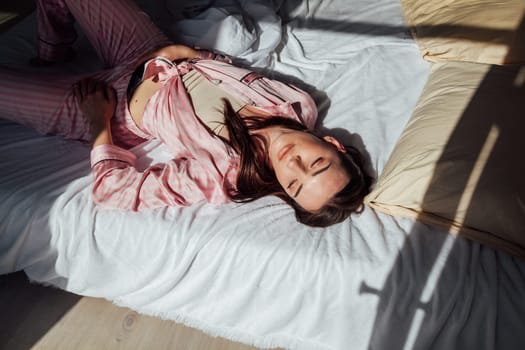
250, 272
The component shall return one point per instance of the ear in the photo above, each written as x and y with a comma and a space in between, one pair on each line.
335, 143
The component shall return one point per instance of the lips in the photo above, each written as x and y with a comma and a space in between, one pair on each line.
284, 151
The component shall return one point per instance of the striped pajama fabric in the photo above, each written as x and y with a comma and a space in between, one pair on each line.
119, 32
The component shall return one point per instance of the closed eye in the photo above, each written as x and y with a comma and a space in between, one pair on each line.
291, 184
322, 170
315, 162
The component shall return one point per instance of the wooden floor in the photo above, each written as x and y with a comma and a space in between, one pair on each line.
37, 317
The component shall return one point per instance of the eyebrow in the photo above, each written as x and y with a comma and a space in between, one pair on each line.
314, 174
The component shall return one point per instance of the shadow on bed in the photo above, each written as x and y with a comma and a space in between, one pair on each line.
472, 33
407, 314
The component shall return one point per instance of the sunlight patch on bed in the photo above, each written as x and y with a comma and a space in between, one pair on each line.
477, 172
426, 295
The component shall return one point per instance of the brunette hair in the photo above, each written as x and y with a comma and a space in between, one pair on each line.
256, 179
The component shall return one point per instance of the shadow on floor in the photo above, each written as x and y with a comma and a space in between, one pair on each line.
28, 311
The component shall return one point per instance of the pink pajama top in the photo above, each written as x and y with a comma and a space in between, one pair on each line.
203, 167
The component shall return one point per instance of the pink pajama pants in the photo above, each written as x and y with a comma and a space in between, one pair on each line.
119, 32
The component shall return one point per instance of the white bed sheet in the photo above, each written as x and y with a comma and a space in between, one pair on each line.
250, 272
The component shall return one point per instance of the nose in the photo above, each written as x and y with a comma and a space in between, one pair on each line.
296, 163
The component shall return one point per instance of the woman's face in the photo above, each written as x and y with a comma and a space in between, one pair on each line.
308, 168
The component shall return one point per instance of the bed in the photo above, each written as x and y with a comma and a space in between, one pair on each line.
250, 272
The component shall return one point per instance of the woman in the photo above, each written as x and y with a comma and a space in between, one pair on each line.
233, 134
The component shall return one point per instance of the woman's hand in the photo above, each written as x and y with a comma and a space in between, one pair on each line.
173, 53
211, 55
97, 101
181, 52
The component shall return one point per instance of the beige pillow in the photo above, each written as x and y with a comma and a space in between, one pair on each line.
460, 162
483, 31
